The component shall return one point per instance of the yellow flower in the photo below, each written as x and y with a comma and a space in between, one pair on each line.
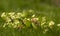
28, 19
16, 21
8, 19
3, 14
33, 15
51, 24
11, 13
35, 20
18, 15
58, 25
13, 17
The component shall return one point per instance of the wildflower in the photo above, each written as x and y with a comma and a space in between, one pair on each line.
11, 13
35, 21
8, 19
16, 21
51, 24
24, 21
33, 15
13, 17
18, 15
3, 14
28, 19
58, 25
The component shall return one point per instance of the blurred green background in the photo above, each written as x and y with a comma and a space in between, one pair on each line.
16, 5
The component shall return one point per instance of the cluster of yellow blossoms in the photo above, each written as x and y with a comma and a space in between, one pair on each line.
18, 20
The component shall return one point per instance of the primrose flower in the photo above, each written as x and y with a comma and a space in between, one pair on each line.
58, 25
33, 15
13, 17
16, 21
18, 15
8, 19
28, 19
11, 13
35, 20
51, 23
3, 14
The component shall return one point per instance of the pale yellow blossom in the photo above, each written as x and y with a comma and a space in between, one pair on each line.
3, 14
28, 19
18, 15
11, 13
58, 25
8, 19
16, 21
33, 15
51, 24
13, 17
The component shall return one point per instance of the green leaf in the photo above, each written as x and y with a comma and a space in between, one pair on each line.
34, 26
28, 23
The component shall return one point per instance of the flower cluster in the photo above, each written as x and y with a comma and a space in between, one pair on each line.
19, 20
